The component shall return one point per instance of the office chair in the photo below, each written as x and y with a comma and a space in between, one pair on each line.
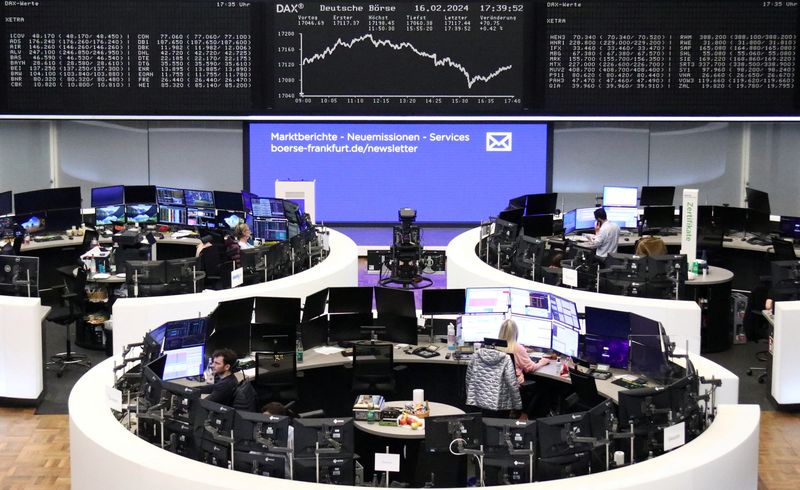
18, 244
783, 249
709, 240
650, 246
276, 377
211, 262
88, 237
756, 326
491, 383
73, 312
585, 387
373, 368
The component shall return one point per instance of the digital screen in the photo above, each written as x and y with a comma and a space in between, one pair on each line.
790, 226
270, 230
135, 194
201, 217
31, 223
229, 219
172, 215
565, 340
533, 332
623, 217
262, 207
584, 218
569, 221
606, 350
487, 300
231, 201
475, 328
564, 311
199, 199
142, 213
184, 362
108, 196
170, 196
109, 215
529, 303
353, 165
620, 196
5, 202
608, 323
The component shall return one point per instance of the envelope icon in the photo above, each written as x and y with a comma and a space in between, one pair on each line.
498, 141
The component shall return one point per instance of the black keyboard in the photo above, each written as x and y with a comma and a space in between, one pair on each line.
627, 384
47, 238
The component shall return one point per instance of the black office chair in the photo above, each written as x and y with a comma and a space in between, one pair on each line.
585, 387
88, 237
783, 249
276, 377
709, 240
211, 259
373, 368
72, 311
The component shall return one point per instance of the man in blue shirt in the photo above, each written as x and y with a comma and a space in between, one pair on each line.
606, 234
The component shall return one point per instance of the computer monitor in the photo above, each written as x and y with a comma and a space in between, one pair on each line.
556, 435
171, 215
504, 231
331, 470
537, 225
170, 196
393, 301
584, 218
487, 300
183, 271
230, 201
530, 303
142, 213
564, 311
151, 380
64, 219
32, 222
314, 305
478, 326
256, 432
785, 273
757, 200
518, 202
648, 410
647, 358
344, 327
614, 196
204, 217
228, 220
260, 463
541, 203
612, 351
443, 301
512, 215
277, 311
627, 266
504, 436
108, 196
607, 323
730, 218
659, 217
565, 340
350, 300
180, 334
623, 217
184, 362
262, 208
789, 227
62, 198
5, 203
146, 271
153, 341
570, 222
271, 230
657, 196
30, 202
668, 268
528, 253
453, 433
215, 418
109, 215
533, 332
140, 193
758, 222
19, 276
314, 332
334, 436
198, 199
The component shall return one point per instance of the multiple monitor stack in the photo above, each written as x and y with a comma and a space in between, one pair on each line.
55, 209
163, 277
657, 276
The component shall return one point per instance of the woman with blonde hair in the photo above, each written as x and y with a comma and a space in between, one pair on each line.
509, 332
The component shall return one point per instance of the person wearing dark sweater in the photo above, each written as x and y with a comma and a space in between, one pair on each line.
222, 387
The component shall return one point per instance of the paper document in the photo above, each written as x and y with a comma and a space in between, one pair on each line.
328, 350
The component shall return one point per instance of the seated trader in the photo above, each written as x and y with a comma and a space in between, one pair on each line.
222, 386
238, 242
606, 237
533, 403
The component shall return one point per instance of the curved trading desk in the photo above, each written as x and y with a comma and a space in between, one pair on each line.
681, 319
105, 454
22, 369
133, 317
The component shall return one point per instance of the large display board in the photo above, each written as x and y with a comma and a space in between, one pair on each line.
526, 57
367, 172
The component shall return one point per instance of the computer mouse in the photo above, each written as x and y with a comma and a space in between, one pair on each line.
447, 356
627, 239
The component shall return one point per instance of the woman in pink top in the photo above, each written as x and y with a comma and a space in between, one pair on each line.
523, 363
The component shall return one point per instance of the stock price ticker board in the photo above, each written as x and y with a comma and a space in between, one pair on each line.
527, 57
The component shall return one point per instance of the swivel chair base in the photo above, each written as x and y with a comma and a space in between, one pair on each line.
62, 359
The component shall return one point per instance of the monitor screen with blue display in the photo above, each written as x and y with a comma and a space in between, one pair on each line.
564, 311
142, 213
570, 223
584, 218
108, 196
623, 217
199, 199
620, 196
109, 215
424, 165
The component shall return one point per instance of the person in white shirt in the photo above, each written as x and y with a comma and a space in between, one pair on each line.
606, 233
242, 234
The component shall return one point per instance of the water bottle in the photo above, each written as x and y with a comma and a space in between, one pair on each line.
299, 349
451, 336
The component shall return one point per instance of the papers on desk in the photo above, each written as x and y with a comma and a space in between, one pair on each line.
327, 350
101, 275
182, 233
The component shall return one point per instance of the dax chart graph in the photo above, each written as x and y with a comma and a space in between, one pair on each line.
365, 57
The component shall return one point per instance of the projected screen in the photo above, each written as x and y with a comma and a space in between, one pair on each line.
487, 300
367, 172
533, 332
475, 328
